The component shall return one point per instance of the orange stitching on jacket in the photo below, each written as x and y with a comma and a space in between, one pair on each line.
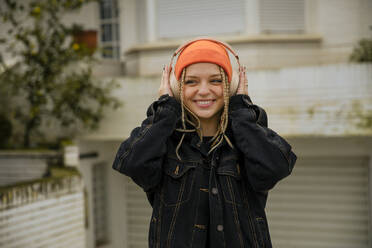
200, 226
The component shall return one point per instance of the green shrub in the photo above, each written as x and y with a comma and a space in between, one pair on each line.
50, 79
362, 52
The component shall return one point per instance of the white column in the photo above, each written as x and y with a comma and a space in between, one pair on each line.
311, 16
151, 20
252, 13
86, 172
127, 17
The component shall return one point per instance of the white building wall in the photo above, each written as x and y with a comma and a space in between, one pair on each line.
366, 18
340, 21
332, 29
329, 100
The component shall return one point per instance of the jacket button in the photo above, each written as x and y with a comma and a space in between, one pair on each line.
220, 228
214, 191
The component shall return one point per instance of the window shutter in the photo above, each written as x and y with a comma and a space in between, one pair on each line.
282, 16
179, 18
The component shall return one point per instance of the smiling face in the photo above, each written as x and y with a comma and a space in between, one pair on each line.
203, 91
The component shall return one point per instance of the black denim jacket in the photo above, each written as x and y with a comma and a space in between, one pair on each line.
223, 197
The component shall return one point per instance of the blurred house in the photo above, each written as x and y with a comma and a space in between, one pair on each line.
297, 54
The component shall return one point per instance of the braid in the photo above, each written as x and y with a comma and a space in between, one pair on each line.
181, 97
183, 112
220, 134
186, 116
226, 94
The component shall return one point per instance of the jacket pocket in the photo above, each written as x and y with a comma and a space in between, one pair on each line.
230, 182
199, 236
178, 182
263, 232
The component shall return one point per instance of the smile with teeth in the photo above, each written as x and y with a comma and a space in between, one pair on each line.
204, 103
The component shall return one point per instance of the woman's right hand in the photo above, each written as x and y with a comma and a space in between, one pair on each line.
165, 82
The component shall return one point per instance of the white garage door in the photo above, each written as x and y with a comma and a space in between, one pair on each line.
323, 204
138, 216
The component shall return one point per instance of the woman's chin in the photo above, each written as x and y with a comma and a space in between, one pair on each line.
207, 115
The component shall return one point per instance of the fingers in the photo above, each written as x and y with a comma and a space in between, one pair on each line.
168, 70
164, 87
241, 75
243, 81
245, 78
163, 77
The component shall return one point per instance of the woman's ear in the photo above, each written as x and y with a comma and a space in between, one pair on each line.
234, 83
174, 85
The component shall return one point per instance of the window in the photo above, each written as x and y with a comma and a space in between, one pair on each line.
109, 16
282, 16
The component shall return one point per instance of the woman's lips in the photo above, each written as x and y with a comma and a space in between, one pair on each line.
204, 103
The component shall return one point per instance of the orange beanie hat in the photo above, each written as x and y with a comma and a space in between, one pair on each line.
203, 51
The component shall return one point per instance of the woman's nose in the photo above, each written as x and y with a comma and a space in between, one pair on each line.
203, 88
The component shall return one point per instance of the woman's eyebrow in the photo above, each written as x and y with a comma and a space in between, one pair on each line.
214, 75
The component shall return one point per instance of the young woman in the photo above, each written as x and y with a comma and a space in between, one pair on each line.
204, 155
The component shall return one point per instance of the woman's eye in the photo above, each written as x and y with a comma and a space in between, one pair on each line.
217, 81
190, 82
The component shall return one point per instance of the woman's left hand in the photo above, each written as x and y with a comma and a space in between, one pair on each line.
243, 81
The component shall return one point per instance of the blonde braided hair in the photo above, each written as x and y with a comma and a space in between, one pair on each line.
189, 117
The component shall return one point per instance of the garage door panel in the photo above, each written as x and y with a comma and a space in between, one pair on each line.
328, 196
317, 216
326, 189
324, 203
306, 243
